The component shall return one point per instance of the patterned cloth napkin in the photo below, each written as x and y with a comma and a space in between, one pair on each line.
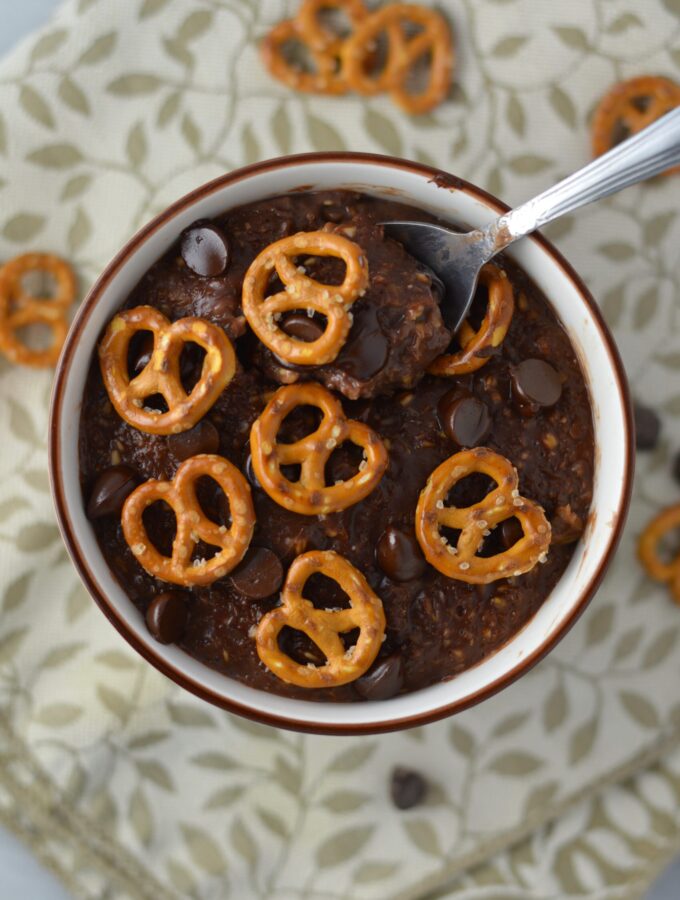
130, 788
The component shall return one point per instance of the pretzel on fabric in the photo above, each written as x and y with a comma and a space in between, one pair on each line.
20, 309
630, 106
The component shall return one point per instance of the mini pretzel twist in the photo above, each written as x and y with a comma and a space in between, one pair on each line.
403, 53
302, 292
475, 522
19, 309
631, 106
477, 344
310, 496
162, 373
648, 550
192, 524
323, 626
322, 44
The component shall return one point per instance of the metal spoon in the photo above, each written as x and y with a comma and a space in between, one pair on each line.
457, 257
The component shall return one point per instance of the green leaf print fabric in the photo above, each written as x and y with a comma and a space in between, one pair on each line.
130, 788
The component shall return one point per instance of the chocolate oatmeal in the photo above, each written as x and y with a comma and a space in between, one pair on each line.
524, 399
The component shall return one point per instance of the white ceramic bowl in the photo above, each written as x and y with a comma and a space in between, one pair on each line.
461, 204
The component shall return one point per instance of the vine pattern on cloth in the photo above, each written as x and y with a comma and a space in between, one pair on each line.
129, 786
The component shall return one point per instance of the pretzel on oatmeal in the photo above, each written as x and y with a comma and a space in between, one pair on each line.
630, 106
323, 626
477, 345
433, 40
309, 495
648, 550
302, 292
192, 524
476, 522
322, 44
161, 375
20, 309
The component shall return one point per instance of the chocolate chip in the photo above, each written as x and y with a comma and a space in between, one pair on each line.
407, 788
383, 680
205, 249
219, 303
511, 531
259, 575
535, 384
367, 348
250, 472
333, 213
647, 427
466, 420
301, 326
202, 438
399, 555
111, 489
166, 617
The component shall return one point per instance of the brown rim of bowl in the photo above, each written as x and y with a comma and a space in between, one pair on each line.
180, 677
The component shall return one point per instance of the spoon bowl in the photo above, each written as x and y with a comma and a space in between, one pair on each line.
457, 257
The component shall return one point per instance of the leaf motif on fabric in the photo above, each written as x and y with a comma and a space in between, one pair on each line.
342, 845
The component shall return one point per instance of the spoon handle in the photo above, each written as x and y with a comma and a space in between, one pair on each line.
648, 153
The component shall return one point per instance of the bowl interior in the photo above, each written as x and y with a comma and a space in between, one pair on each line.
463, 207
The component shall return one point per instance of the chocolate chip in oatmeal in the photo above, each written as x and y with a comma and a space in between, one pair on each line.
647, 427
399, 555
383, 680
202, 438
535, 384
510, 532
167, 615
205, 249
367, 347
302, 326
110, 491
259, 574
407, 788
465, 420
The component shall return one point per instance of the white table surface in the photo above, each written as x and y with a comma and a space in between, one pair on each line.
20, 874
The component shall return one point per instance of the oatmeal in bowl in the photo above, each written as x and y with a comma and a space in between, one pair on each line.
295, 490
